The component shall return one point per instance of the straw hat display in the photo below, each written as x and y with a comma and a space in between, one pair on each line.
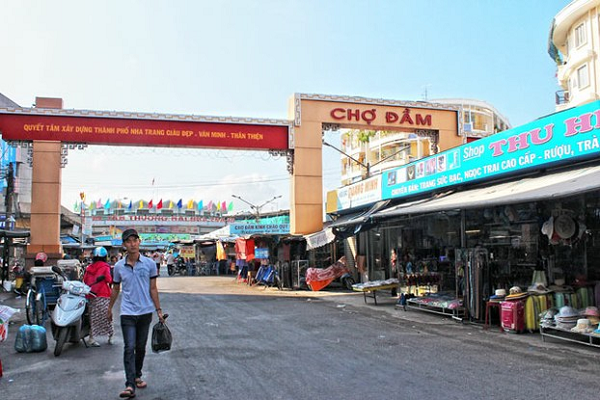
538, 288
583, 326
498, 294
566, 318
547, 318
515, 293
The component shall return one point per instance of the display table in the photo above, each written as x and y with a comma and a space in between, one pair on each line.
437, 303
370, 289
563, 334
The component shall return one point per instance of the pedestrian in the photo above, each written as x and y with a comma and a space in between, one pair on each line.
137, 274
99, 323
157, 257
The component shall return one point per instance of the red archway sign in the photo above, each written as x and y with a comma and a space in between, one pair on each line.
146, 130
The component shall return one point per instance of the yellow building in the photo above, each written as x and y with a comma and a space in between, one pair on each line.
575, 46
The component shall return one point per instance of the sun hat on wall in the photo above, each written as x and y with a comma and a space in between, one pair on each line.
565, 227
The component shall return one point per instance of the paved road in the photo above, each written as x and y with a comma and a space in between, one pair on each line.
235, 342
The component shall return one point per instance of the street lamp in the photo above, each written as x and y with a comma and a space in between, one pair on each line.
368, 165
82, 214
254, 206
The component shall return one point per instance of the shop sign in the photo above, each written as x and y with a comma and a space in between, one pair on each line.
559, 138
164, 237
187, 252
153, 220
360, 193
251, 229
78, 129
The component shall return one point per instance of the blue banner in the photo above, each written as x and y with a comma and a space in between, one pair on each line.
553, 140
9, 155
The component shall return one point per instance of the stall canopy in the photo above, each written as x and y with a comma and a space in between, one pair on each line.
319, 239
562, 184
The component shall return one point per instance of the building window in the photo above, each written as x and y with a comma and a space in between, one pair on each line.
580, 35
582, 77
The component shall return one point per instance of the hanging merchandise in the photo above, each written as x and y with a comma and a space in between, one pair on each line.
221, 255
240, 249
249, 249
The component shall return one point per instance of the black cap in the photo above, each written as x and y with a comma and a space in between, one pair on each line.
128, 233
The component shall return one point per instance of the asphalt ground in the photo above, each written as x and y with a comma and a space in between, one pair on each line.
232, 341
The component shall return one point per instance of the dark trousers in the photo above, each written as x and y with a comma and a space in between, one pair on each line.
135, 336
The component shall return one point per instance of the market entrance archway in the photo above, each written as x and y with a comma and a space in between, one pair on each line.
51, 130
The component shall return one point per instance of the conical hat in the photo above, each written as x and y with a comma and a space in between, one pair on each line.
564, 226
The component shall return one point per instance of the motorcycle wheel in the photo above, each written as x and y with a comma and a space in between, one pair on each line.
61, 338
348, 282
170, 270
30, 307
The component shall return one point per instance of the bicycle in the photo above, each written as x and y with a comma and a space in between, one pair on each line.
42, 295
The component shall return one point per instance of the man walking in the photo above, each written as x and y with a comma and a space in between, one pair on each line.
137, 274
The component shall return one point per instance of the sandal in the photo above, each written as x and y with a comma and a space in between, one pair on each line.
140, 384
128, 393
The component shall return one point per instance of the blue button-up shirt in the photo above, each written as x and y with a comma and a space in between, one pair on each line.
135, 285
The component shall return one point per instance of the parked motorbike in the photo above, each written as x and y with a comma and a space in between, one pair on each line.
70, 318
178, 268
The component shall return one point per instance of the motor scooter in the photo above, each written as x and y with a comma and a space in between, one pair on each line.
178, 268
70, 318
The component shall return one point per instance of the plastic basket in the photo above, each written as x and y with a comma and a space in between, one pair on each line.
46, 285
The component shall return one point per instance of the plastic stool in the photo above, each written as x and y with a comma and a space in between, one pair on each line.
488, 305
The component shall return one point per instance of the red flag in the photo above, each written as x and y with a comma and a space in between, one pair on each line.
150, 204
159, 205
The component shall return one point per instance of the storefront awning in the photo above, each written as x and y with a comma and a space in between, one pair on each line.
359, 218
346, 227
319, 239
562, 184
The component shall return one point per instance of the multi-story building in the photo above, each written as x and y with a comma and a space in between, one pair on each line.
15, 202
575, 47
382, 150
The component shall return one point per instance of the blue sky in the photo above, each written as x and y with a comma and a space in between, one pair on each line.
245, 59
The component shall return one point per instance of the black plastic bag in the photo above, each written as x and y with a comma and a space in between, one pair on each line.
161, 337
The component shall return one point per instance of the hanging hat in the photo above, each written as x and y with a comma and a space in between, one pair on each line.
581, 229
548, 227
559, 281
564, 226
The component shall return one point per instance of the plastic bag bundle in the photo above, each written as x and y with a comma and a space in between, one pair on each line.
31, 339
161, 337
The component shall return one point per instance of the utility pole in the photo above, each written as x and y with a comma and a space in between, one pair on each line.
10, 187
